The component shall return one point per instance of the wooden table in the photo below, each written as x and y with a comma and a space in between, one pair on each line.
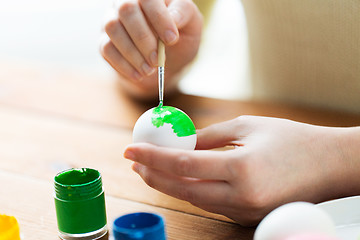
51, 119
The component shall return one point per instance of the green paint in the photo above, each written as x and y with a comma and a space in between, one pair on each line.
79, 201
77, 176
181, 123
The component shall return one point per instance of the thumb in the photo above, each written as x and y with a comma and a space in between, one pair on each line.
219, 135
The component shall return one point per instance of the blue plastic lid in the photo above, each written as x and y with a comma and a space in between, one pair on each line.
139, 226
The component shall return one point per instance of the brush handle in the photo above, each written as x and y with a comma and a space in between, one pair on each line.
161, 54
161, 70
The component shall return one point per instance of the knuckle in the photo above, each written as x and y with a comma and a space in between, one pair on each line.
183, 165
233, 166
188, 4
240, 169
250, 195
191, 9
239, 123
143, 2
255, 201
246, 118
127, 8
253, 205
242, 119
110, 26
106, 49
142, 37
127, 51
158, 16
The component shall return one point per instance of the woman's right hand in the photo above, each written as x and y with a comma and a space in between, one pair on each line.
133, 33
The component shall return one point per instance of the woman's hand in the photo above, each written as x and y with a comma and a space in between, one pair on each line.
133, 32
274, 161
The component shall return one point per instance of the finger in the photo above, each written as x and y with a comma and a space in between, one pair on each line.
192, 190
198, 164
218, 208
161, 20
134, 21
181, 12
238, 213
220, 134
119, 37
117, 61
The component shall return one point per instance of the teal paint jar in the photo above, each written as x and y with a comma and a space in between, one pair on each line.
80, 204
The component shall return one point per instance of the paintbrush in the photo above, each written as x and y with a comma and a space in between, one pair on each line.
161, 71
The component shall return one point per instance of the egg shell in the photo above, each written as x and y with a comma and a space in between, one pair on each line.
292, 219
146, 131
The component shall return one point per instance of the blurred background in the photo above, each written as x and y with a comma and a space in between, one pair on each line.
66, 35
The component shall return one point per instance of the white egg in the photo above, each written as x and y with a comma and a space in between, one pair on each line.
165, 126
294, 218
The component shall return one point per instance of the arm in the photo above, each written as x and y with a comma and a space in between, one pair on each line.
274, 161
131, 46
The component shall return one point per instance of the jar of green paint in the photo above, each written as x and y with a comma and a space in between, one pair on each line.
80, 204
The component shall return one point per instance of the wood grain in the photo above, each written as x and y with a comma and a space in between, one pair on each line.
30, 200
95, 99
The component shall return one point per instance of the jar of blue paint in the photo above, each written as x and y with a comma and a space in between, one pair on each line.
139, 226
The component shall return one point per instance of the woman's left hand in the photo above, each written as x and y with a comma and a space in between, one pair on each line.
274, 161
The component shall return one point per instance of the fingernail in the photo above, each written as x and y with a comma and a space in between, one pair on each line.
137, 76
154, 58
136, 167
147, 69
129, 155
176, 16
170, 37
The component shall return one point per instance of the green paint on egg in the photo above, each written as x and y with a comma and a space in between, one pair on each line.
181, 123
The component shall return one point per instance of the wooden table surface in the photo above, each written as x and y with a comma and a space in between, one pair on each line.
51, 120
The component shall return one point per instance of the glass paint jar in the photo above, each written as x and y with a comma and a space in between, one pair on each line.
80, 204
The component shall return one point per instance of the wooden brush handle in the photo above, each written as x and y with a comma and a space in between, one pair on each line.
161, 54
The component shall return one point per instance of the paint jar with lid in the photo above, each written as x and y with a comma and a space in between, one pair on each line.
80, 204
